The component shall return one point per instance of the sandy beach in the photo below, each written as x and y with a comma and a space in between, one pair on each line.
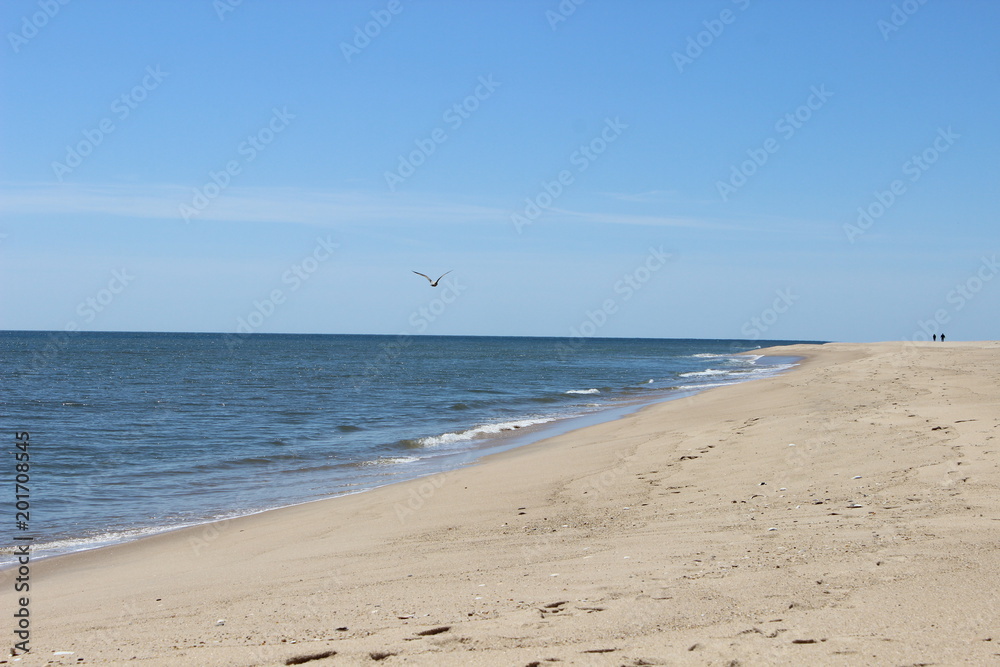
844, 513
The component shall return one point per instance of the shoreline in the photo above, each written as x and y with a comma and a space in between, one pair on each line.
687, 532
499, 443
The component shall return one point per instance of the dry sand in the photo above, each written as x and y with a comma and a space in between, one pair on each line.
689, 533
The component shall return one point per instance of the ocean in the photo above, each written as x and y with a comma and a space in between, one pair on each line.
136, 433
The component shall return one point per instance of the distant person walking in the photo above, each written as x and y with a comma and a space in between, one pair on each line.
935, 338
942, 338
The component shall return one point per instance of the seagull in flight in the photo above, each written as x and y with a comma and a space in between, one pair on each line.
434, 283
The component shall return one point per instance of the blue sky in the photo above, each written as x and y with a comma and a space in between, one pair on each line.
711, 169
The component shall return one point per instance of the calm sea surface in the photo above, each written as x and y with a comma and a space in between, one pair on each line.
133, 433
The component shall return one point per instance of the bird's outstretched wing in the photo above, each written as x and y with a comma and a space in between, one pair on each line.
443, 275
425, 276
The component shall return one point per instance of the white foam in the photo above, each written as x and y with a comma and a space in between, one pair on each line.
748, 358
709, 385
585, 391
704, 373
391, 460
75, 544
480, 431
768, 371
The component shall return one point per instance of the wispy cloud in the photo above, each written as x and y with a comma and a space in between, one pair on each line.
648, 197
645, 220
286, 205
